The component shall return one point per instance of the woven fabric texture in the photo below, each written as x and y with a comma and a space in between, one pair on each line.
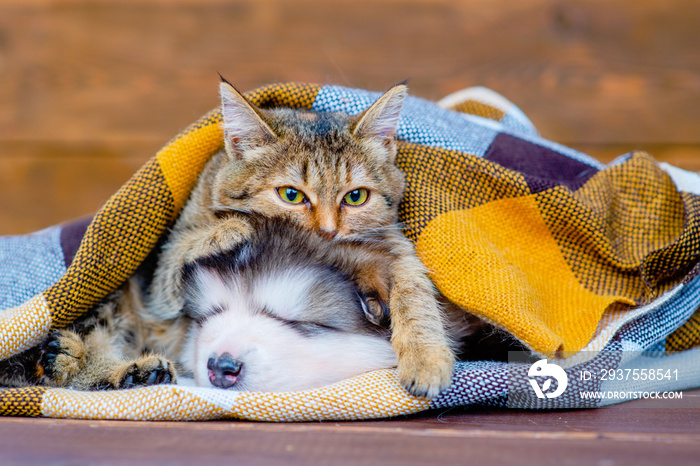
594, 267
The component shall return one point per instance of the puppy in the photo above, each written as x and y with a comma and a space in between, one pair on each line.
283, 312
280, 311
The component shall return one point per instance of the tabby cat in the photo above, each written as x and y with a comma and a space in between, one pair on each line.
329, 173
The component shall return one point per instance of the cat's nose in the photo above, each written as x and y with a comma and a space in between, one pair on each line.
224, 370
328, 234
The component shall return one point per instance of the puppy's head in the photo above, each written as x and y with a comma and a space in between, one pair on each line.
268, 319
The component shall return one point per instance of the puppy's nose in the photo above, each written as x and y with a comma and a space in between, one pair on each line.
224, 370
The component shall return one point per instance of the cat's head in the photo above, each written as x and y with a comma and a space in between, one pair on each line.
328, 172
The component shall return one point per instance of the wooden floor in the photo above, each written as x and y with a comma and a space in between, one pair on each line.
629, 434
90, 89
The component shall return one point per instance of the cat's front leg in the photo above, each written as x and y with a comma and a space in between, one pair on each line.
419, 335
185, 246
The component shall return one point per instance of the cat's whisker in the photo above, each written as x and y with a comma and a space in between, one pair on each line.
377, 231
226, 208
364, 237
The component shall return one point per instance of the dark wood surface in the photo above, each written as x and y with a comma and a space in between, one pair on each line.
90, 89
629, 434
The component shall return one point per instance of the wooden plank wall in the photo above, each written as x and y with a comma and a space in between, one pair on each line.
89, 89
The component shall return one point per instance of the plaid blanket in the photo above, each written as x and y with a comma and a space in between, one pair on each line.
594, 267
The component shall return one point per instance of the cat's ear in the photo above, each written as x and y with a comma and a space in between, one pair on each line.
244, 126
381, 120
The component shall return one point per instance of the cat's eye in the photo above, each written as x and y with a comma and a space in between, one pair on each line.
356, 197
291, 195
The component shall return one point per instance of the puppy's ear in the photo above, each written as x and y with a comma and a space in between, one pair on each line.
376, 312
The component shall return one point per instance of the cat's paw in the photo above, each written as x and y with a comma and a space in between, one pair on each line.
63, 356
222, 236
428, 372
149, 370
222, 239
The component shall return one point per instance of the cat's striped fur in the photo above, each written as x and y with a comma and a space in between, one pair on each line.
326, 173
